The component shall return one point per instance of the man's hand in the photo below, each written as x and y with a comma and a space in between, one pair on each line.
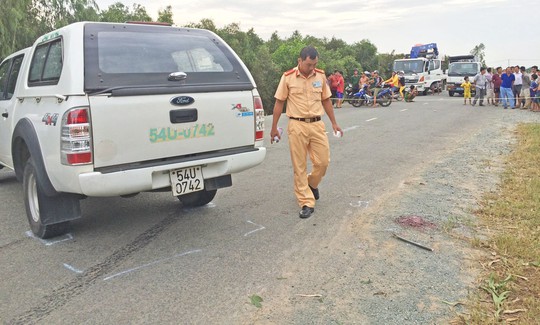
274, 133
336, 128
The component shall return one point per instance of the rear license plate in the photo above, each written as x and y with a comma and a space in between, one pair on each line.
186, 180
459, 89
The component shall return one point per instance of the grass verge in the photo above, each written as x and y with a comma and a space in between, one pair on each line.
509, 289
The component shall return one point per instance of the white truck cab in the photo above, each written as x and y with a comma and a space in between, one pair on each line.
422, 68
459, 67
107, 109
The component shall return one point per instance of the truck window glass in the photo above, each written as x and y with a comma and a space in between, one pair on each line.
46, 65
13, 76
158, 53
53, 64
3, 77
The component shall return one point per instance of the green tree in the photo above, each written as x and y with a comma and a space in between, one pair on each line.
274, 42
204, 24
286, 56
138, 13
53, 14
366, 54
120, 13
16, 26
479, 52
166, 15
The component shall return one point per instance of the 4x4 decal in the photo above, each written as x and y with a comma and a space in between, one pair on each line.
50, 119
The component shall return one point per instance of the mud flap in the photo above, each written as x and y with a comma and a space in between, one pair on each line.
58, 208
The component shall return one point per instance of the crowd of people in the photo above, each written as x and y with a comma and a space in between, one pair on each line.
372, 82
514, 88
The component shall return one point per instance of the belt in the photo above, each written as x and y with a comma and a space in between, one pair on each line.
307, 120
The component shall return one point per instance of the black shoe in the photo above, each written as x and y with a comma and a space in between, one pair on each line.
315, 192
481, 105
306, 212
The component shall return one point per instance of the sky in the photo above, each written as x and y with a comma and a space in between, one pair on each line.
509, 29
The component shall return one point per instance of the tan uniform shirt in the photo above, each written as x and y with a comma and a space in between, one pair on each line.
304, 95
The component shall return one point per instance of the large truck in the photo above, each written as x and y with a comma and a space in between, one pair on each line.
422, 68
459, 67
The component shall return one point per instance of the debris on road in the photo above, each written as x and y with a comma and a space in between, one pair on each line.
413, 243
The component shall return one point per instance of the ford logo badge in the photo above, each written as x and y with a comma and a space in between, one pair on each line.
182, 100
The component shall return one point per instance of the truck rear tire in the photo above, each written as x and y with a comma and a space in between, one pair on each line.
37, 205
197, 199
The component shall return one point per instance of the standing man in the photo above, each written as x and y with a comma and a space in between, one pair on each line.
507, 97
355, 81
496, 78
308, 97
518, 83
480, 84
376, 82
525, 91
340, 89
489, 87
333, 86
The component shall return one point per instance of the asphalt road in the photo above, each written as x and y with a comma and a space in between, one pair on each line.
148, 260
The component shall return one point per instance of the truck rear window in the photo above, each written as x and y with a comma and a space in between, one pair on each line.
137, 55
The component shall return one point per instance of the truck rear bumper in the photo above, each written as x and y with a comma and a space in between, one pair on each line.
131, 181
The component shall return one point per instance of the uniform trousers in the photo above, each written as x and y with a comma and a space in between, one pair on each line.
308, 139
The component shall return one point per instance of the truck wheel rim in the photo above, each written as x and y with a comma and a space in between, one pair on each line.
33, 202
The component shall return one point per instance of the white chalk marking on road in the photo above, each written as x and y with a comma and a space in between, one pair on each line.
403, 110
425, 103
360, 204
351, 128
48, 242
71, 268
371, 119
151, 263
253, 223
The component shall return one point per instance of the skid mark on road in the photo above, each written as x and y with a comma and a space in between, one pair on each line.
60, 296
73, 269
50, 242
152, 263
253, 223
360, 204
350, 128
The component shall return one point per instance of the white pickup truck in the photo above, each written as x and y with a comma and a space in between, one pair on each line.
106, 109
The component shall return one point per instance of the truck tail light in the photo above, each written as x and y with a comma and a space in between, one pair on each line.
259, 118
76, 142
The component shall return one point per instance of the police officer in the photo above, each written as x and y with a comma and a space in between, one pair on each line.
308, 97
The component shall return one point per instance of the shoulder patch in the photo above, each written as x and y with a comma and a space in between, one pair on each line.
289, 72
319, 71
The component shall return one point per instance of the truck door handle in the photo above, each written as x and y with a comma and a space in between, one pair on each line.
183, 115
5, 114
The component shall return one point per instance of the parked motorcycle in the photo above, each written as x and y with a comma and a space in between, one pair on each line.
348, 96
384, 97
362, 97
